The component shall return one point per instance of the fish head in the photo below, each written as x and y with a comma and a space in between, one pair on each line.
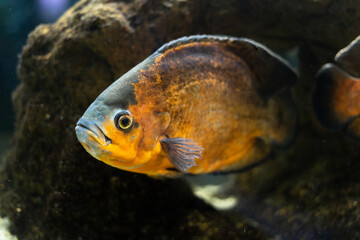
119, 131
109, 134
108, 130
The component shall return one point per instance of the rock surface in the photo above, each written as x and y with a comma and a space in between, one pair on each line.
52, 189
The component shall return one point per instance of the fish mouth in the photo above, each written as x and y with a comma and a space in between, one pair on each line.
93, 130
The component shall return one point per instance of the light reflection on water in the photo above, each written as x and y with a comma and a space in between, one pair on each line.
214, 190
4, 232
52, 9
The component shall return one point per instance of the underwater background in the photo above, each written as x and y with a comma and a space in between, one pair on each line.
50, 188
18, 18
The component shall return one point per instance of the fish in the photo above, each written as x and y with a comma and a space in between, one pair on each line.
199, 104
336, 98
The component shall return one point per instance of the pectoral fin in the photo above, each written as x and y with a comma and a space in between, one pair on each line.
182, 152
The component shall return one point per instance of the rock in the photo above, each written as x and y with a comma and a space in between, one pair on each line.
52, 189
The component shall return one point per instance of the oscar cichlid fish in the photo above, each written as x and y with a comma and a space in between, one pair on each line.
199, 104
337, 95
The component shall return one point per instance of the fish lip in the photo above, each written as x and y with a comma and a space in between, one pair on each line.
94, 131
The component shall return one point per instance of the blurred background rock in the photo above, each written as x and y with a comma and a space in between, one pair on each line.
17, 19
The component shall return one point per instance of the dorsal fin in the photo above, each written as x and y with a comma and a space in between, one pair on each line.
271, 71
191, 39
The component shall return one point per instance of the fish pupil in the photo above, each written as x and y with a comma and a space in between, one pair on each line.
125, 122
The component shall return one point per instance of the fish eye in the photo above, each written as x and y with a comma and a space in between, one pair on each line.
123, 120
